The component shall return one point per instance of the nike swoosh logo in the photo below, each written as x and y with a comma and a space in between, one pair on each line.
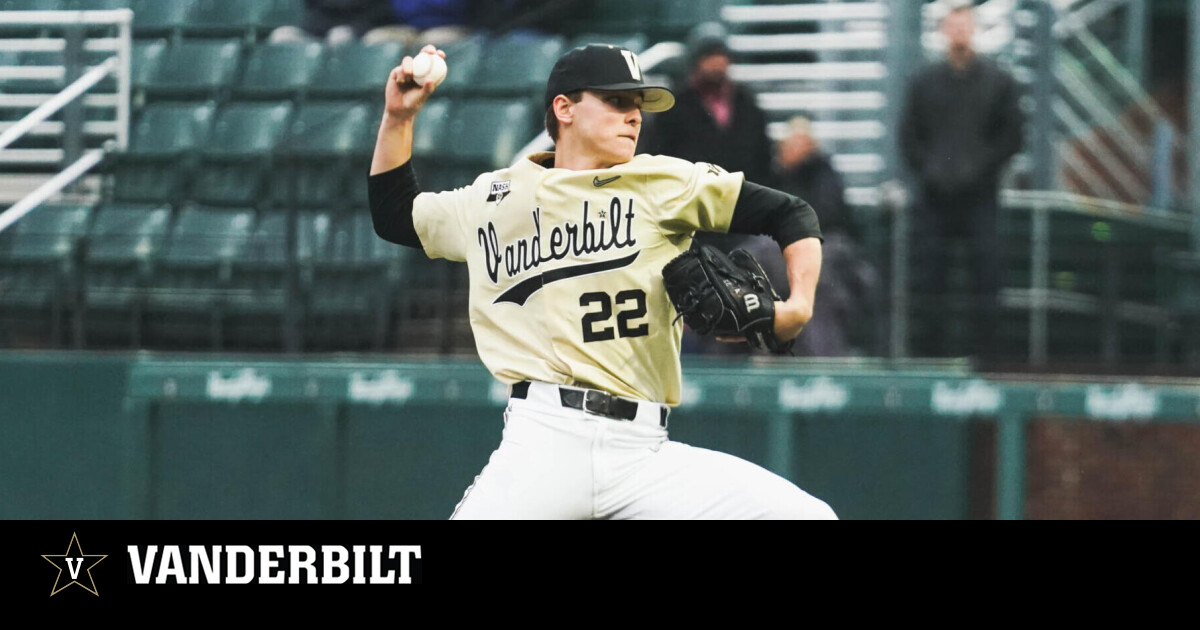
597, 182
523, 290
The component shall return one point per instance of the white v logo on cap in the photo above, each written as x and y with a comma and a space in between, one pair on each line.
631, 60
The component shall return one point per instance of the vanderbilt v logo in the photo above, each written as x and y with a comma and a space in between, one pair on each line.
75, 562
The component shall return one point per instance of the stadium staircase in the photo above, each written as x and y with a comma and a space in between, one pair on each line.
1090, 280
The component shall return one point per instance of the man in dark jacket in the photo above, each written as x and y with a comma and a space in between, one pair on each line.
960, 126
714, 119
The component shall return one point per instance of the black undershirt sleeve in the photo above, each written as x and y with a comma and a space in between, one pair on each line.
391, 194
785, 218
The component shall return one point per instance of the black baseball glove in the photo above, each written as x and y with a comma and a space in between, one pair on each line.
724, 295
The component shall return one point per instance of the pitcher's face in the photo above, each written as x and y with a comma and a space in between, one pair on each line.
608, 124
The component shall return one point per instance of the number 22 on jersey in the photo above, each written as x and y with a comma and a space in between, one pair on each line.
597, 324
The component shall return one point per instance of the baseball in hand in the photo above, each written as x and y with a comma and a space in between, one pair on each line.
429, 67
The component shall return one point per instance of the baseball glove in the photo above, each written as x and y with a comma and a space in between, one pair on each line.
724, 295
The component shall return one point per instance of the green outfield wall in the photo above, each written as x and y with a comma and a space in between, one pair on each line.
148, 437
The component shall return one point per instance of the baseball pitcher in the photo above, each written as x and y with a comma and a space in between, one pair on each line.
566, 253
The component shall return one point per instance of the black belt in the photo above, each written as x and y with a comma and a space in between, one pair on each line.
594, 401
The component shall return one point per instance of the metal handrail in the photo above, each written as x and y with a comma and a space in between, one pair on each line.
821, 70
860, 40
1123, 79
1084, 90
1089, 11
59, 44
1061, 201
64, 18
51, 187
784, 13
45, 106
1112, 165
47, 109
121, 45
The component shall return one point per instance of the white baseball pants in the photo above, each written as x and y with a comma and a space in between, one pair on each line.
555, 462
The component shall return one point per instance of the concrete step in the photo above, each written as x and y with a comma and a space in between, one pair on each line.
15, 186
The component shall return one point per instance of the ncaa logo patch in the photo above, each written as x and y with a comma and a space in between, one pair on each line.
500, 190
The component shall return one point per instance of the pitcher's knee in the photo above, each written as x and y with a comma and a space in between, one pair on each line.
802, 506
818, 510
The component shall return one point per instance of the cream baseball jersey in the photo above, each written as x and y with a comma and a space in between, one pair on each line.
566, 266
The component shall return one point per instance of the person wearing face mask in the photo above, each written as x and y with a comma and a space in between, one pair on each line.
714, 119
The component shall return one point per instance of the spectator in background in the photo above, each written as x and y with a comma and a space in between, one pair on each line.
543, 16
716, 120
849, 286
337, 21
960, 125
420, 22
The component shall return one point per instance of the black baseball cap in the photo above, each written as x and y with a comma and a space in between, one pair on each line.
605, 68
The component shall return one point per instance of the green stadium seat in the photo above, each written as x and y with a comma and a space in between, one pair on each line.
29, 5
38, 266
278, 13
429, 139
205, 237
315, 160
161, 152
248, 129
268, 241
279, 70
330, 238
332, 129
349, 274
152, 18
677, 17
122, 245
49, 232
192, 281
314, 236
356, 70
168, 130
488, 133
431, 147
238, 152
617, 17
195, 69
125, 234
223, 18
254, 306
146, 57
463, 59
517, 65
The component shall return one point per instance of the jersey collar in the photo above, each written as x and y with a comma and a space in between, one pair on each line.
539, 159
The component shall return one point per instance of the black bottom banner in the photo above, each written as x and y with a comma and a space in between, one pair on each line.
121, 565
